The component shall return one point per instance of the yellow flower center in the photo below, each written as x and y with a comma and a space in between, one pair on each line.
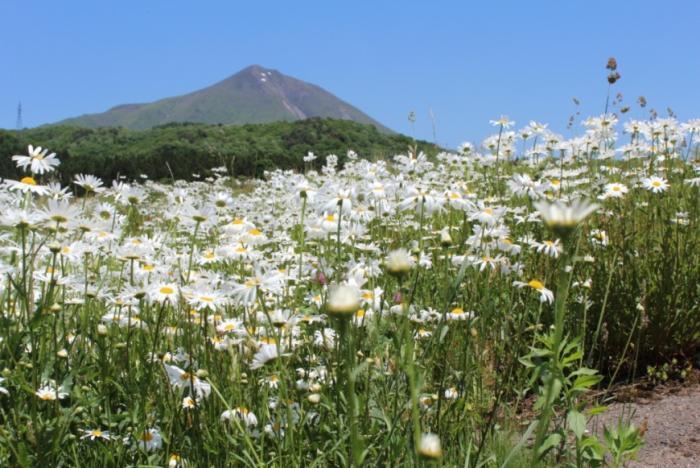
457, 311
536, 284
166, 290
28, 180
252, 282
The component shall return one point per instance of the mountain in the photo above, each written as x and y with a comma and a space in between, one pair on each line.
253, 95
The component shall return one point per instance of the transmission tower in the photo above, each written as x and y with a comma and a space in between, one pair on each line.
19, 124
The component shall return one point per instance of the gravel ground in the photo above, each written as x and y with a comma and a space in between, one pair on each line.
672, 417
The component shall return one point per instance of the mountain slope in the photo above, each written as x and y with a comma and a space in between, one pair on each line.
253, 95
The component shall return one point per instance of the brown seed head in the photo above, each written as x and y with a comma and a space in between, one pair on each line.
613, 77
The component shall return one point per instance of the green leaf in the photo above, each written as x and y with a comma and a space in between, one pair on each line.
576, 423
551, 441
584, 371
443, 332
584, 382
597, 410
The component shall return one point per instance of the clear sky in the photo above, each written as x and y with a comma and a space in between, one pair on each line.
467, 61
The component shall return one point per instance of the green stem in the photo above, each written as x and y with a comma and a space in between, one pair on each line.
302, 239
355, 449
559, 318
340, 217
189, 262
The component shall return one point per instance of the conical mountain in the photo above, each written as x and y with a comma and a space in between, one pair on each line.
253, 95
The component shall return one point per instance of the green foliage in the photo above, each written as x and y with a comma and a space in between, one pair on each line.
623, 443
646, 297
673, 370
181, 150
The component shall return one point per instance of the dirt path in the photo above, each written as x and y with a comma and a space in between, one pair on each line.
672, 417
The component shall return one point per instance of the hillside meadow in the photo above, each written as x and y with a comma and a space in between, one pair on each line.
388, 306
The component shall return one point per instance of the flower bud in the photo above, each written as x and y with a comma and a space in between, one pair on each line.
343, 301
315, 387
429, 446
445, 238
399, 262
321, 278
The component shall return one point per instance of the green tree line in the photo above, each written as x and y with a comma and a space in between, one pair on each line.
180, 150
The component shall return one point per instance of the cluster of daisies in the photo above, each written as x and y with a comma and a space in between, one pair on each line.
257, 274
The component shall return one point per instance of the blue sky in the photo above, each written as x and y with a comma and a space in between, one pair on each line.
469, 62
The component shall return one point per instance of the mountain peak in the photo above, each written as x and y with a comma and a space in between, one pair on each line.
257, 72
255, 68
255, 94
